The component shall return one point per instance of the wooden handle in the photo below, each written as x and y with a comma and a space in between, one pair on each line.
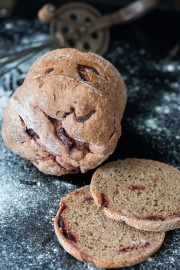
46, 13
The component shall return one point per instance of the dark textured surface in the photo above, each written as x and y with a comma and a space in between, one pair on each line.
29, 200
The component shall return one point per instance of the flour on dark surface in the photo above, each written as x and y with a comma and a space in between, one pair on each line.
29, 200
28, 204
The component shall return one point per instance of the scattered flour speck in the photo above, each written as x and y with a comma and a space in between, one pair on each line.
29, 200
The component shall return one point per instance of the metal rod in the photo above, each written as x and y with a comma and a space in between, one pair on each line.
127, 14
25, 58
15, 56
23, 44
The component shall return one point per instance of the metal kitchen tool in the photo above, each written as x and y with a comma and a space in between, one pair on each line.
83, 27
79, 25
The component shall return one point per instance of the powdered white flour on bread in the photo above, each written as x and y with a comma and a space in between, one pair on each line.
53, 119
87, 234
143, 193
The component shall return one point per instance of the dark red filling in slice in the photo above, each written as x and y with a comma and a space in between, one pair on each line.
136, 187
82, 71
156, 218
88, 199
67, 234
104, 200
65, 228
161, 217
133, 248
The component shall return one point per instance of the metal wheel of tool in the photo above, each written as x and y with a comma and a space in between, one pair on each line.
71, 28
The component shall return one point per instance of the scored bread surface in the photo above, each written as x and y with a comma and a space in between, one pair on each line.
66, 115
88, 235
143, 193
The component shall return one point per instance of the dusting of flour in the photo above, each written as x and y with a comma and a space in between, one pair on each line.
29, 200
28, 204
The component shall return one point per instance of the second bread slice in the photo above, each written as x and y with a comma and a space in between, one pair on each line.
143, 193
87, 234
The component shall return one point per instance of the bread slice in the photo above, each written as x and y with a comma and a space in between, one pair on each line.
88, 235
143, 193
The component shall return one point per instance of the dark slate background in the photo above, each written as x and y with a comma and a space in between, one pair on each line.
143, 53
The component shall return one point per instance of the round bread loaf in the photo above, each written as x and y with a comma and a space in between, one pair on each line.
87, 234
66, 115
143, 193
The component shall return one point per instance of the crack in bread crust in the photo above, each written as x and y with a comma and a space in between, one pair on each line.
67, 140
82, 118
82, 71
34, 136
32, 133
76, 120
71, 143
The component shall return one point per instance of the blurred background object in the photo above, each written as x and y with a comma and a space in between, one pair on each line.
147, 54
6, 8
79, 25
76, 25
82, 26
30, 8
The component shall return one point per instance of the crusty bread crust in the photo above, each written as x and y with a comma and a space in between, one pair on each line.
169, 223
146, 225
99, 263
80, 95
